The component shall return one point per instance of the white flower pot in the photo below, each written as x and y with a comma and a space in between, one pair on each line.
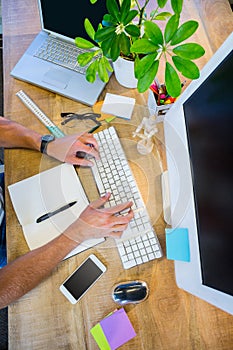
124, 73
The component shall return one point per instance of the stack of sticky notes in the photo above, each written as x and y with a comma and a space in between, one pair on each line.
177, 243
113, 331
120, 106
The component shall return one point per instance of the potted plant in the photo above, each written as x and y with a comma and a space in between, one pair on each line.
128, 32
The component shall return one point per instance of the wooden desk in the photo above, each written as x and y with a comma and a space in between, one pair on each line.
43, 319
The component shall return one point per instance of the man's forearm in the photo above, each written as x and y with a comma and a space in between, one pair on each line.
26, 272
16, 135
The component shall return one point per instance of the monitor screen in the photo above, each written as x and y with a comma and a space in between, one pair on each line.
67, 17
209, 122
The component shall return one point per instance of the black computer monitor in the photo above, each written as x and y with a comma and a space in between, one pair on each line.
209, 120
199, 146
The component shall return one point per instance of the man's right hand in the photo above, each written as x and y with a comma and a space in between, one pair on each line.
97, 222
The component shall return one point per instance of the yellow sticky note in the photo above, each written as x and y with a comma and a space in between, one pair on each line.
99, 337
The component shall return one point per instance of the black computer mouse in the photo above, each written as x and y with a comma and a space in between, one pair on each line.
81, 154
131, 292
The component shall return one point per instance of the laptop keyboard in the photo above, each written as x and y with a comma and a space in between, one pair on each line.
61, 53
139, 242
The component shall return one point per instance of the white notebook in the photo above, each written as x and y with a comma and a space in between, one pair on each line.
44, 193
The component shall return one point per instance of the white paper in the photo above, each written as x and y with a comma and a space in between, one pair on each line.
46, 192
120, 106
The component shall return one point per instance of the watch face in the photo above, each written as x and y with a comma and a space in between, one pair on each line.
48, 138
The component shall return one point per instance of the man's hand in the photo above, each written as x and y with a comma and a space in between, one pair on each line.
65, 149
97, 222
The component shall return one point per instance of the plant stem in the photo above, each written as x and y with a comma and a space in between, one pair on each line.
155, 14
138, 5
141, 11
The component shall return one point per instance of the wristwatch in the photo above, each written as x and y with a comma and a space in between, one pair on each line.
45, 139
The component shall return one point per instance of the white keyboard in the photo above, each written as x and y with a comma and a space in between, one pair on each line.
139, 243
61, 53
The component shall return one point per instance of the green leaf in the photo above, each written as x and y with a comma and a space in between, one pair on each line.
177, 6
115, 49
99, 26
91, 72
146, 80
189, 51
83, 43
131, 15
108, 21
106, 46
124, 10
107, 64
113, 9
102, 70
153, 32
188, 68
136, 70
104, 33
89, 28
153, 14
93, 1
162, 3
172, 81
171, 27
144, 64
85, 58
124, 43
162, 16
132, 30
184, 32
143, 46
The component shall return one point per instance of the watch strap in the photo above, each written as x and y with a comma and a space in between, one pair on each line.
45, 140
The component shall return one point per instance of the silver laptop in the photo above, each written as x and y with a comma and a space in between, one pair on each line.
61, 22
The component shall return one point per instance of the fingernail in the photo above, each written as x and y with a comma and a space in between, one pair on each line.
105, 195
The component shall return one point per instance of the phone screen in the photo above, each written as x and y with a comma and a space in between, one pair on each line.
83, 278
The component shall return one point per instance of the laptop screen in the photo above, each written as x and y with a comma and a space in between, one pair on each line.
67, 17
209, 119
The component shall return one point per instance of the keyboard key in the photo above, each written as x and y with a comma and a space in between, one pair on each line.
139, 260
145, 258
129, 264
124, 258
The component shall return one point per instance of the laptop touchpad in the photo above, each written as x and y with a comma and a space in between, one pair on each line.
57, 77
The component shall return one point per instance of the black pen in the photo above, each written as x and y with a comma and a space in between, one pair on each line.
48, 215
93, 129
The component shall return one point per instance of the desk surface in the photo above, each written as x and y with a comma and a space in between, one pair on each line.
43, 319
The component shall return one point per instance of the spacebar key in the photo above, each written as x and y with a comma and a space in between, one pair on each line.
98, 179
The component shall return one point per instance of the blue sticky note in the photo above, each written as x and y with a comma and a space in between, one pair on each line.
177, 243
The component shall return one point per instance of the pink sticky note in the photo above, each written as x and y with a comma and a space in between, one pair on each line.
117, 329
